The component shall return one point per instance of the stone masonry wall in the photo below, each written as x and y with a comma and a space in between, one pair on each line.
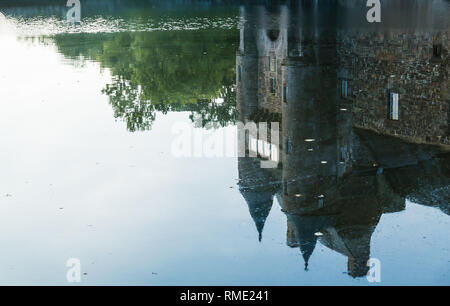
401, 63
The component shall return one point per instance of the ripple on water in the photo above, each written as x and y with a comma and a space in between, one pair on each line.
43, 26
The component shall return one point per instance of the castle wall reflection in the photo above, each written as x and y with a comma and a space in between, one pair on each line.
364, 116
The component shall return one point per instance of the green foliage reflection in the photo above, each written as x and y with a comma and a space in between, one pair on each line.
163, 71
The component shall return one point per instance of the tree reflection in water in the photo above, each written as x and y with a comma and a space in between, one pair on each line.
163, 71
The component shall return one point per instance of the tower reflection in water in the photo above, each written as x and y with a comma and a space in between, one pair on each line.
364, 117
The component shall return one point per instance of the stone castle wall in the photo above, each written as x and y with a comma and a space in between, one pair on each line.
404, 64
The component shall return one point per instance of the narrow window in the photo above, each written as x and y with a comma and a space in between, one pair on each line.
320, 203
344, 89
288, 146
393, 106
437, 49
273, 63
239, 73
249, 141
285, 188
247, 137
285, 94
272, 88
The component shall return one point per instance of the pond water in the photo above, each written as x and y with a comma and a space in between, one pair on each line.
124, 145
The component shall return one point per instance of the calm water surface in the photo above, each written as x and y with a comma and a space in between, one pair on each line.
88, 168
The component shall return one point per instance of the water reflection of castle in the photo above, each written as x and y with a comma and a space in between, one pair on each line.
364, 123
